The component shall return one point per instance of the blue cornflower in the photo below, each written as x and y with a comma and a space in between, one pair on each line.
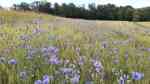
66, 71
98, 66
75, 79
54, 60
12, 61
121, 81
137, 75
53, 49
38, 82
46, 79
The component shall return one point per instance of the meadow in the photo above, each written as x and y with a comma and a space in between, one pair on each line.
36, 48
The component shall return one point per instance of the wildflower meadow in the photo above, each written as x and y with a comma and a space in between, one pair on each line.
36, 48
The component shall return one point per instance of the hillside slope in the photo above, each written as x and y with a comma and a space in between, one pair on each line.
37, 48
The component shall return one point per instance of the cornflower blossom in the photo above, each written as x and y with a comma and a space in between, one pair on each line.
49, 50
12, 61
75, 79
66, 71
98, 66
137, 75
121, 81
53, 50
54, 60
46, 79
37, 82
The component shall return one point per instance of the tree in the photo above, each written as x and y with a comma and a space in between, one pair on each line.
101, 12
145, 13
56, 9
35, 6
136, 15
45, 7
24, 6
92, 11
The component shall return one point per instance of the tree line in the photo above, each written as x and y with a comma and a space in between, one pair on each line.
98, 12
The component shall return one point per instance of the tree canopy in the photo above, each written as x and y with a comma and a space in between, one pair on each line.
99, 12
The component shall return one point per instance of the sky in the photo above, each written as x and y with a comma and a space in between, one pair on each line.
134, 3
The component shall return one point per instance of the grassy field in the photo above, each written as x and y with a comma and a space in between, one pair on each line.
44, 49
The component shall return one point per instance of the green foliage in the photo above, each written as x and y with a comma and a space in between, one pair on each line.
101, 12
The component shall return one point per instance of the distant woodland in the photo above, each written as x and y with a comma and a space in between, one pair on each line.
93, 12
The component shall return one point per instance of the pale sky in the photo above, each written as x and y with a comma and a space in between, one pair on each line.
134, 3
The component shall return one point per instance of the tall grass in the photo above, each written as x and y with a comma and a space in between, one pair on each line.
43, 49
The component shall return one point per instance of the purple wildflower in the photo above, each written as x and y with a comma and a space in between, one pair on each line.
75, 79
137, 75
98, 66
46, 79
121, 81
54, 60
53, 49
12, 61
38, 82
66, 70
49, 50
